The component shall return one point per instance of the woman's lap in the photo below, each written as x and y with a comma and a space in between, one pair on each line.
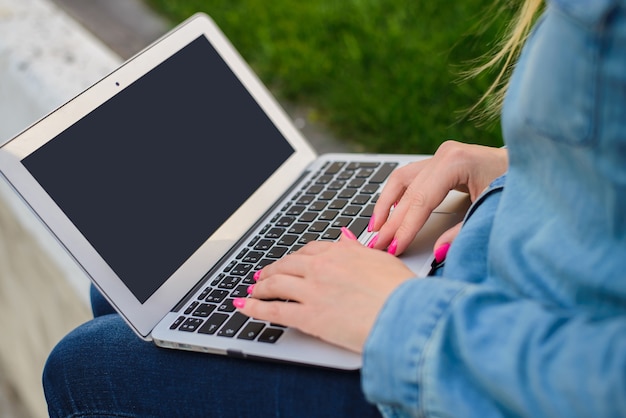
103, 368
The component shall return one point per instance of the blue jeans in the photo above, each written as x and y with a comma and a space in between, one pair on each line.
103, 369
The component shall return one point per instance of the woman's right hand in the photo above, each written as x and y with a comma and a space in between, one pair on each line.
416, 189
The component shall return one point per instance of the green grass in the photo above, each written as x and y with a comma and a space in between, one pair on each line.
381, 73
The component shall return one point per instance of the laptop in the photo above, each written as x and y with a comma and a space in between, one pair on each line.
177, 176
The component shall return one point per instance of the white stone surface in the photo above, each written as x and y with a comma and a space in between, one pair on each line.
46, 58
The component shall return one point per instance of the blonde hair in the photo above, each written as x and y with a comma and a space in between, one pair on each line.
504, 56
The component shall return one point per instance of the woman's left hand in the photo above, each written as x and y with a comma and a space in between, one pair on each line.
335, 290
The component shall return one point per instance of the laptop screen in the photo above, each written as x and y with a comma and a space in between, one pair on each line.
150, 175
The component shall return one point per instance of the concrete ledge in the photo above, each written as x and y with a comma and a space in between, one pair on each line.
46, 58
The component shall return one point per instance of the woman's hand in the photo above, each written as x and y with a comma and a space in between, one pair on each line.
335, 290
415, 190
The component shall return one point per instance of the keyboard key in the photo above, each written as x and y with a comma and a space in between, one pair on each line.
338, 204
334, 167
178, 321
248, 280
264, 245
341, 222
347, 194
337, 185
191, 307
298, 228
364, 173
368, 211
252, 257
241, 269
270, 335
251, 331
227, 306
367, 164
308, 237
328, 215
204, 310
191, 324
305, 200
253, 241
308, 217
345, 175
318, 206
325, 179
217, 296
264, 262
319, 226
230, 266
229, 282
240, 291
361, 199
370, 188
218, 279
383, 172
296, 210
331, 234
358, 226
204, 293
277, 252
275, 233
213, 323
356, 183
287, 240
315, 189
351, 210
286, 221
233, 325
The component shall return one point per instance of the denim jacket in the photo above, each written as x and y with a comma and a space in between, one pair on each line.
529, 315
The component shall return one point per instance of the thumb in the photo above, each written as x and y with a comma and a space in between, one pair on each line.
448, 236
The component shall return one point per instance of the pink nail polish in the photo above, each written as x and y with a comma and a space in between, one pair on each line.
393, 247
370, 225
256, 276
441, 252
239, 303
372, 243
250, 289
345, 231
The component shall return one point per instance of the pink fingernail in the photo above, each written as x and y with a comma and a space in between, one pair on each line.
239, 303
372, 243
370, 225
345, 231
393, 247
256, 276
250, 289
441, 252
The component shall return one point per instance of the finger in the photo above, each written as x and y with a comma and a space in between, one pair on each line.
277, 312
421, 197
279, 286
392, 192
448, 236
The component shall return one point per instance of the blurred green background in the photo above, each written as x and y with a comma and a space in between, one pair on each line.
381, 73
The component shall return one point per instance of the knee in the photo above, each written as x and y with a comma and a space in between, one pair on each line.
73, 365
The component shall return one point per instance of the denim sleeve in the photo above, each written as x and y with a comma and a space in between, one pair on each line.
447, 348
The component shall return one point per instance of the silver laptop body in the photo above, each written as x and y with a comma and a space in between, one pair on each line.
176, 177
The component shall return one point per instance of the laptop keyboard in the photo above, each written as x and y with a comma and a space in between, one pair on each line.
340, 194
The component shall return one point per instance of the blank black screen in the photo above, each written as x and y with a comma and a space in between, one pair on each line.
149, 175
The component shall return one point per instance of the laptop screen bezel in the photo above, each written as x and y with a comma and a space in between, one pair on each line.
143, 317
